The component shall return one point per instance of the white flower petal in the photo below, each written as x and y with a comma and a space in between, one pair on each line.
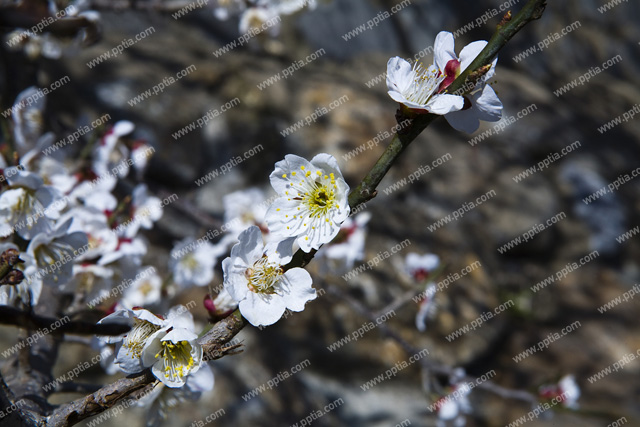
299, 289
261, 310
445, 103
443, 49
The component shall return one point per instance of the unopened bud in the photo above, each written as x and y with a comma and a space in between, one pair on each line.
14, 277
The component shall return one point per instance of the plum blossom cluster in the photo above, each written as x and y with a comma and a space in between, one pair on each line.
309, 211
421, 89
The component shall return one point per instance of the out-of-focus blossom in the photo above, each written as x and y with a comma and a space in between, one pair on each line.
128, 250
313, 200
102, 240
192, 262
144, 289
566, 391
55, 252
163, 399
420, 267
95, 193
92, 281
27, 118
243, 209
254, 277
452, 407
145, 210
348, 246
258, 19
27, 206
110, 152
221, 306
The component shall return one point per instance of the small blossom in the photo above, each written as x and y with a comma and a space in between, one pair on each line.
94, 224
254, 277
29, 289
111, 152
193, 263
417, 87
243, 209
28, 207
313, 200
55, 252
129, 346
163, 399
146, 288
420, 267
481, 102
173, 354
145, 210
566, 391
221, 306
348, 246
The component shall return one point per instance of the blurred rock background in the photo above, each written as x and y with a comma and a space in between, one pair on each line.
405, 214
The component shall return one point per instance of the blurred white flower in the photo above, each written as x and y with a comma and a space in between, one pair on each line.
348, 246
145, 210
243, 209
420, 267
145, 289
92, 281
193, 262
128, 250
110, 153
55, 253
254, 277
257, 19
102, 240
163, 399
27, 206
221, 306
313, 200
28, 122
570, 391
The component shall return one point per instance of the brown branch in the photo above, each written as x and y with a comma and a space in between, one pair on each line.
23, 319
110, 395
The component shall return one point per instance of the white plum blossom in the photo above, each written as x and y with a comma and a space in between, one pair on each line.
417, 87
27, 118
254, 277
173, 354
129, 251
55, 252
96, 193
420, 267
146, 209
566, 391
220, 306
129, 346
109, 152
243, 209
193, 263
102, 240
481, 102
28, 207
92, 281
313, 200
451, 408
163, 399
348, 246
145, 289
256, 18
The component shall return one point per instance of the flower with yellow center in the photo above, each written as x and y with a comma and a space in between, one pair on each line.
173, 354
313, 200
129, 346
255, 279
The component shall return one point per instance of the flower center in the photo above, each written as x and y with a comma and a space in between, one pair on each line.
425, 82
136, 339
263, 276
176, 358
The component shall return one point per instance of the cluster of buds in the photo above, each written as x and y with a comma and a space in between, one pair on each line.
9, 275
